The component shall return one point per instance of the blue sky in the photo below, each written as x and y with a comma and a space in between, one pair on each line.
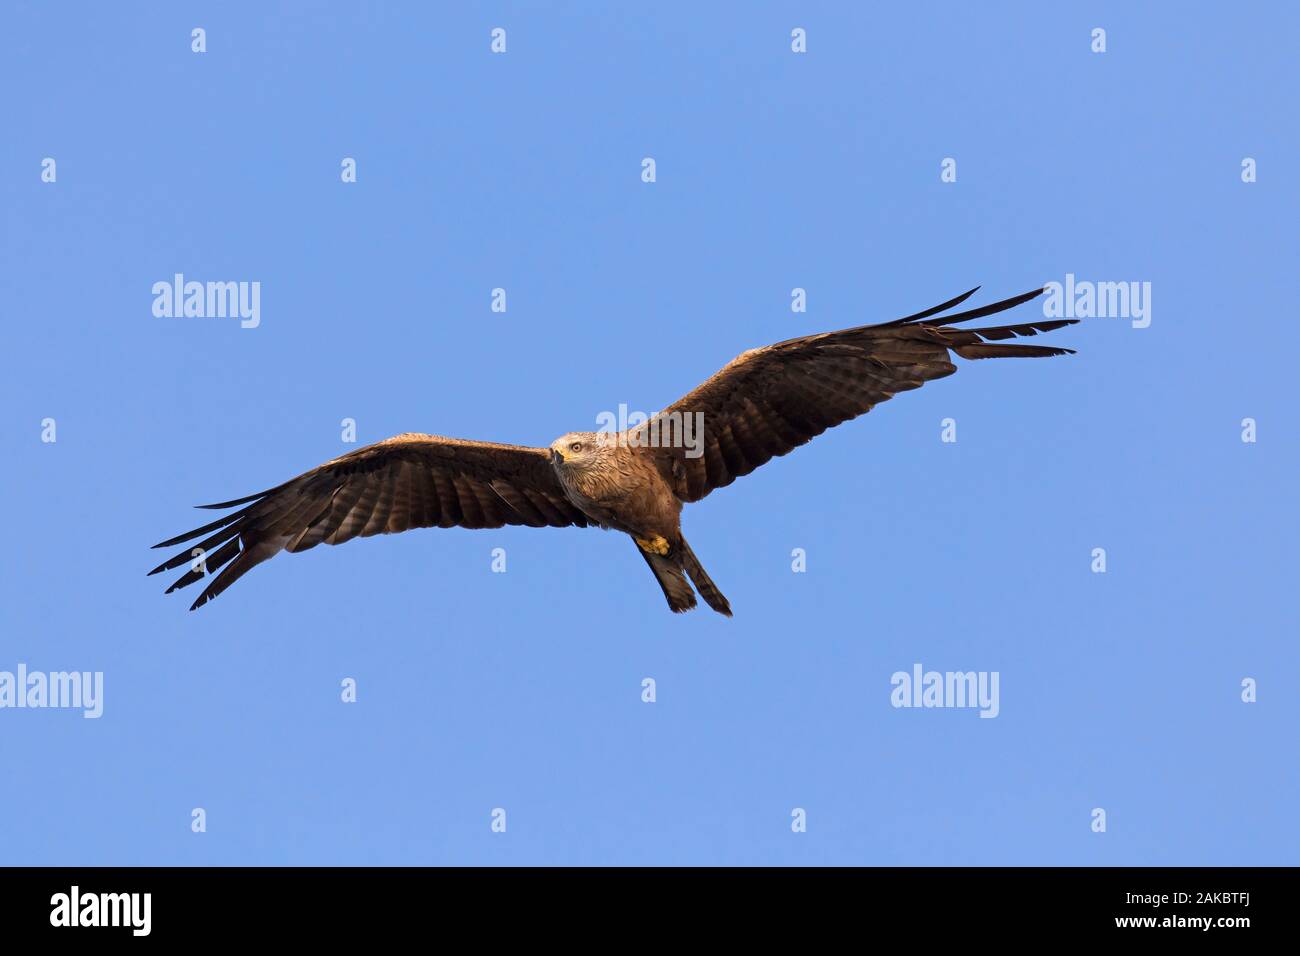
775, 170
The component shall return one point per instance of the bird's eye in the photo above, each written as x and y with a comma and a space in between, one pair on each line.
576, 446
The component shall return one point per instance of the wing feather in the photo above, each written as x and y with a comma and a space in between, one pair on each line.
409, 481
768, 401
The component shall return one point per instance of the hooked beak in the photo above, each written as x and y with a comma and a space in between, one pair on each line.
557, 457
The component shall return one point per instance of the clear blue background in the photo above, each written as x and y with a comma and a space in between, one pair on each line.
775, 170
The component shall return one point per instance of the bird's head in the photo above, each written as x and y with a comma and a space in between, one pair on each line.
577, 449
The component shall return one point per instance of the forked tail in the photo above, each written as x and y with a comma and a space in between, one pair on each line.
670, 571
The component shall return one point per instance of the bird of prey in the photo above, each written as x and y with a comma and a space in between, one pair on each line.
762, 404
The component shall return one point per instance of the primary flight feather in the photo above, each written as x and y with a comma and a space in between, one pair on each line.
762, 404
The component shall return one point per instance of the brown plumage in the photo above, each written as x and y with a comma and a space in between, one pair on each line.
762, 404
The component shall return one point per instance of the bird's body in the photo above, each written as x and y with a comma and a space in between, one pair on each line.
762, 404
614, 485
619, 485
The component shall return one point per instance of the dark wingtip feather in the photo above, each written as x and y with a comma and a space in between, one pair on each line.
983, 351
1023, 330
237, 501
941, 307
243, 562
203, 598
210, 564
211, 526
995, 307
172, 562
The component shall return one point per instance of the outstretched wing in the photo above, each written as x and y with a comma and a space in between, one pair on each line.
769, 401
410, 481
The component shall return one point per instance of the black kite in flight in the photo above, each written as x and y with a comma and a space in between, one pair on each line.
764, 403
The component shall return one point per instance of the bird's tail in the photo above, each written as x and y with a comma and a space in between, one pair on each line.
703, 583
668, 572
